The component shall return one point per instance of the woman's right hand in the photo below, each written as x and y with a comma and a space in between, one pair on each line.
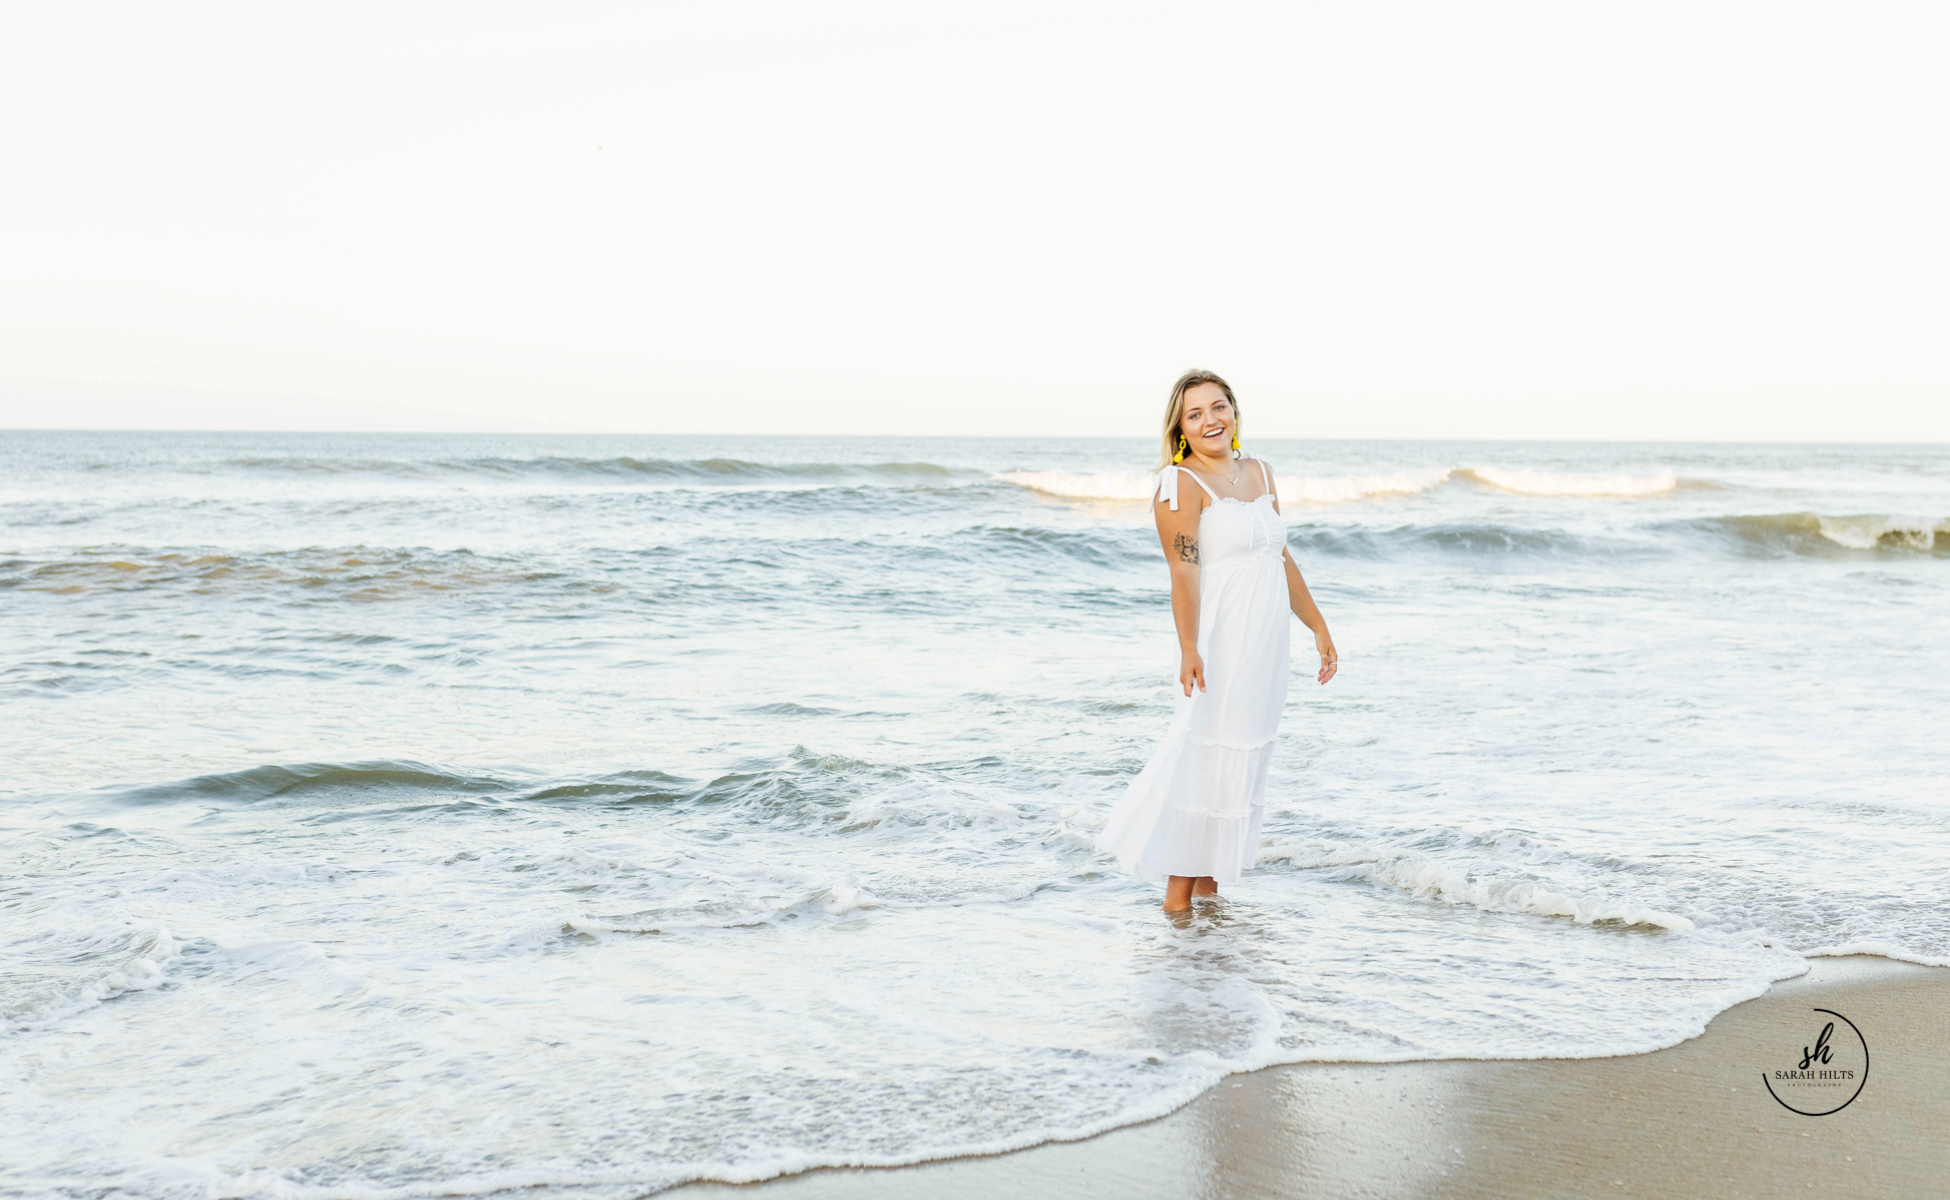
1191, 669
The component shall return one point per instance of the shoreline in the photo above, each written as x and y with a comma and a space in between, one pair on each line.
1691, 1120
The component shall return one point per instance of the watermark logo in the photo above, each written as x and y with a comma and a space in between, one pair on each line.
1828, 1073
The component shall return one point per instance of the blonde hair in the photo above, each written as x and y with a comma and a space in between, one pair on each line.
1175, 410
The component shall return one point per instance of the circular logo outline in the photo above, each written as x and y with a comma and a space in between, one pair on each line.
1863, 1082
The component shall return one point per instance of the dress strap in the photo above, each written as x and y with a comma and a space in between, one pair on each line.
1168, 485
1263, 476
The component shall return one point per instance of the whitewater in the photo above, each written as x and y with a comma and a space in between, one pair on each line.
401, 816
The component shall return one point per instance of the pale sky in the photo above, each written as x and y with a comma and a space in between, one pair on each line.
1556, 220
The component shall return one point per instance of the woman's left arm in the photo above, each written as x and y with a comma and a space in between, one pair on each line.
1302, 602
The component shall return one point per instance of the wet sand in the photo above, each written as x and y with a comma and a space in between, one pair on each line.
1690, 1121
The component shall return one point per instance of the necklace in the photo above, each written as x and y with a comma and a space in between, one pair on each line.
1233, 478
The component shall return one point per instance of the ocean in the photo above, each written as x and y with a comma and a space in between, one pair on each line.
399, 816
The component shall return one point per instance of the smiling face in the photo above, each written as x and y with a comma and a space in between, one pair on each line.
1208, 421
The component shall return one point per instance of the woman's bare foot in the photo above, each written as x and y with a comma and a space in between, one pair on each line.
1205, 885
1178, 893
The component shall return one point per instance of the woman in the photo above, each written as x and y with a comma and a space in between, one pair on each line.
1193, 814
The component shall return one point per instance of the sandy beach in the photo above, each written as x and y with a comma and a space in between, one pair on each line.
1690, 1121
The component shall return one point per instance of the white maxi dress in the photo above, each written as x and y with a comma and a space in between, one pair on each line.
1196, 807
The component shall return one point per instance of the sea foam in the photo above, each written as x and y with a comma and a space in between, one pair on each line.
1528, 482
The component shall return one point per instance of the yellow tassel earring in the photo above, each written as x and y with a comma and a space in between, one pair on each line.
1235, 439
1183, 446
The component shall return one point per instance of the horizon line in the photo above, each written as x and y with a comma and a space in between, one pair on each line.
970, 437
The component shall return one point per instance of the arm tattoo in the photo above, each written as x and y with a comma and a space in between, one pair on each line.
1187, 548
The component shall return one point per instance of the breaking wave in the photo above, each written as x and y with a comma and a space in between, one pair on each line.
1483, 883
1828, 536
1108, 485
1525, 482
1341, 489
55, 975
